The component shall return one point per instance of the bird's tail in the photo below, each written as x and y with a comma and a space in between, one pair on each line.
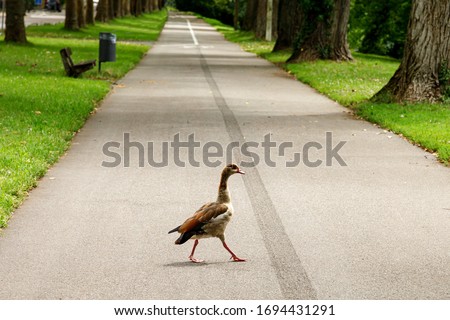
174, 230
184, 237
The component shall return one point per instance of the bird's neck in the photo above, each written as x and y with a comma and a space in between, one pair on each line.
223, 195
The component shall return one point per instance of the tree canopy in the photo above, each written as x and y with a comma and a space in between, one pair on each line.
379, 27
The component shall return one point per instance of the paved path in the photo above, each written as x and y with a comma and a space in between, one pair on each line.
44, 17
377, 228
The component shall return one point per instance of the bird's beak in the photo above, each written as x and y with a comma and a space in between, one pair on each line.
241, 172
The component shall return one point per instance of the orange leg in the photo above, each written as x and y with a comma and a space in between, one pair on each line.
191, 257
233, 256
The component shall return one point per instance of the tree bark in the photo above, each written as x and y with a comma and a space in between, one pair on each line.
236, 15
256, 18
427, 50
136, 7
154, 5
276, 6
117, 9
111, 9
90, 12
125, 7
81, 15
132, 7
289, 19
249, 21
323, 33
102, 11
15, 21
261, 15
339, 49
71, 20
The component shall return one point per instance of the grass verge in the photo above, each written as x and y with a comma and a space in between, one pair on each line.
353, 84
41, 109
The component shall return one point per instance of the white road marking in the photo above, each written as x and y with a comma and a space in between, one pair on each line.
194, 38
191, 46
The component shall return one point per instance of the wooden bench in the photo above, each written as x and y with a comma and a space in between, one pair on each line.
74, 70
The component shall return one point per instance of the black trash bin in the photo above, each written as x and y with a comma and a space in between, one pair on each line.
107, 48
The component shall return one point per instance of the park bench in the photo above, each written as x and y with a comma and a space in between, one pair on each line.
74, 70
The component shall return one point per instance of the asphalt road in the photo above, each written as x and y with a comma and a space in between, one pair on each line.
374, 228
37, 17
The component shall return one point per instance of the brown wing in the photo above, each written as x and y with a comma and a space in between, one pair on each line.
203, 215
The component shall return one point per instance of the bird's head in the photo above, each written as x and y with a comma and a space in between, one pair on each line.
232, 169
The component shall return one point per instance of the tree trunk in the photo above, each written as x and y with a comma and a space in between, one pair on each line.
153, 5
137, 7
119, 12
276, 5
132, 7
111, 9
290, 19
323, 34
138, 11
150, 6
81, 15
256, 18
236, 15
339, 49
71, 20
125, 7
15, 21
102, 11
427, 51
90, 12
249, 21
261, 15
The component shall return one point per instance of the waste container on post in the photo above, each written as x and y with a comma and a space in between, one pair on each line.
107, 48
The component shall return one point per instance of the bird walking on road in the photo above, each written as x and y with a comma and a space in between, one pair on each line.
212, 218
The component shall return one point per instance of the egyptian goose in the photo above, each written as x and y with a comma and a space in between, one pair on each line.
212, 218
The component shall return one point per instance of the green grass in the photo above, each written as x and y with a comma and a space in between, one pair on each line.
41, 109
427, 125
347, 83
353, 84
245, 39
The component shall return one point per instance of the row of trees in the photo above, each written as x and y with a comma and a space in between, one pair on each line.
317, 29
313, 29
79, 13
374, 26
110, 9
418, 31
